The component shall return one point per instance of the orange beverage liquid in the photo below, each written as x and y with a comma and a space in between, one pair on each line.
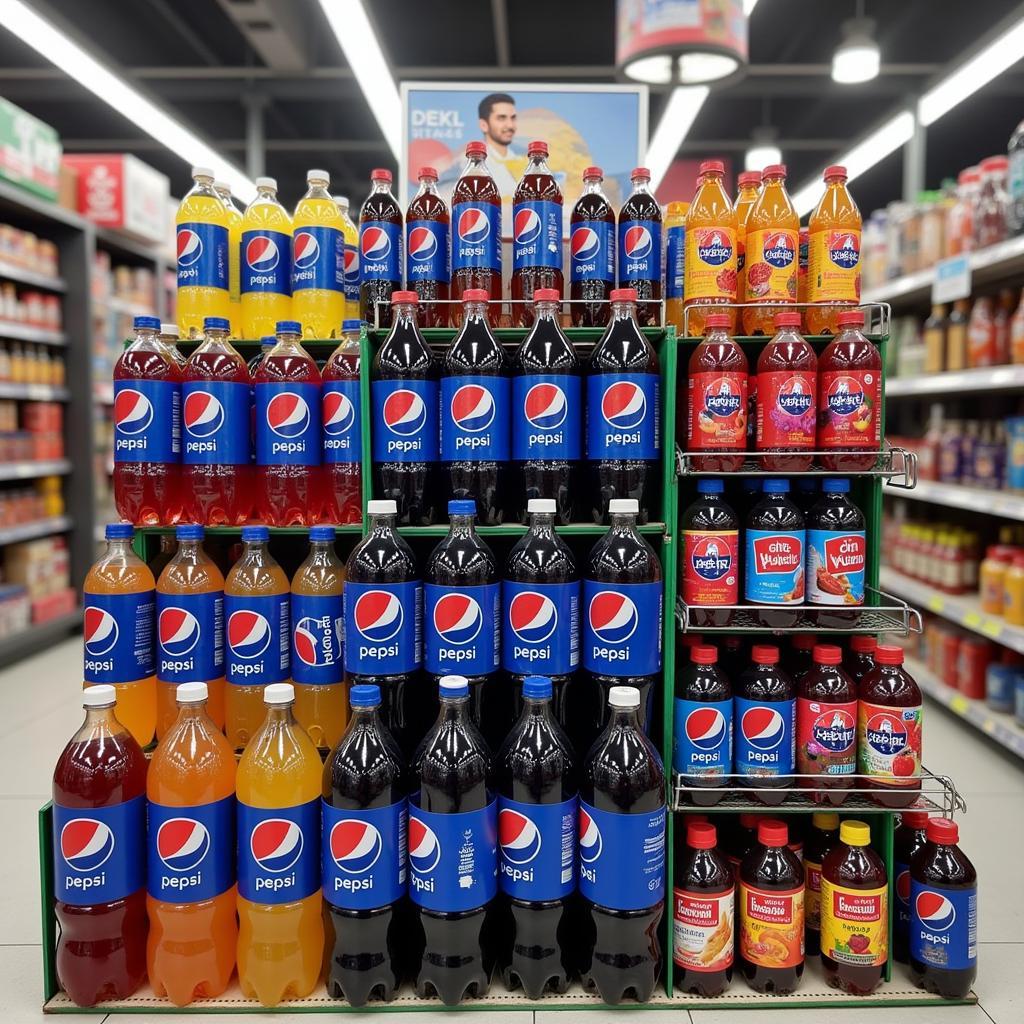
772, 252
710, 270
120, 605
749, 183
281, 932
192, 936
833, 258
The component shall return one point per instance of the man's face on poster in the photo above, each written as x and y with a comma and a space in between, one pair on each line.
500, 125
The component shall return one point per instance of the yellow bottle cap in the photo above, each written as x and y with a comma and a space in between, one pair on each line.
828, 821
677, 209
855, 833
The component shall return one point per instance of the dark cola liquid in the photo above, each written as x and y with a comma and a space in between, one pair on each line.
527, 279
705, 896
477, 188
593, 310
375, 294
643, 206
432, 310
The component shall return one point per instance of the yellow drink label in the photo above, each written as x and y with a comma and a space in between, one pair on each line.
771, 265
771, 925
834, 266
854, 924
710, 265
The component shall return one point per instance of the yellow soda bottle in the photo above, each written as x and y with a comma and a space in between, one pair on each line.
120, 606
351, 233
223, 189
749, 183
675, 262
281, 928
203, 244
833, 258
318, 260
266, 262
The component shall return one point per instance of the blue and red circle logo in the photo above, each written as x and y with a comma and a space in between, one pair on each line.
262, 254
182, 843
935, 912
527, 227
532, 616
101, 631
133, 411
473, 408
518, 836
586, 245
249, 634
276, 844
763, 728
190, 247
179, 631
355, 845
288, 415
613, 617
624, 405
545, 406
711, 558
86, 844
339, 413
637, 243
203, 414
473, 226
424, 846
305, 250
378, 615
706, 728
591, 843
422, 244
458, 619
404, 413
375, 244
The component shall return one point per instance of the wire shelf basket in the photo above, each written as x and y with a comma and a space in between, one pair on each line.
877, 315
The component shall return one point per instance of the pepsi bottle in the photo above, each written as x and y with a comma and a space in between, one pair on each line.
623, 413
622, 856
475, 396
702, 736
591, 253
476, 234
453, 854
537, 820
547, 412
640, 247
383, 621
404, 397
536, 234
380, 250
462, 615
426, 250
364, 852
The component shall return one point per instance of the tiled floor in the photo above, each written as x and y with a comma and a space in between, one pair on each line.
40, 710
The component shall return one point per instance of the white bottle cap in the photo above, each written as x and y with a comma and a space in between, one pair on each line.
453, 686
202, 172
315, 174
171, 329
540, 505
342, 201
277, 694
625, 697
630, 505
192, 693
101, 696
382, 507
267, 183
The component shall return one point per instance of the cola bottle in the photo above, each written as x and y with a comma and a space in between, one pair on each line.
380, 250
639, 248
476, 234
427, 226
591, 253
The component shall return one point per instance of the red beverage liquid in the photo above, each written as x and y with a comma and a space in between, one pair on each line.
826, 726
592, 266
859, 660
428, 276
343, 481
717, 399
469, 269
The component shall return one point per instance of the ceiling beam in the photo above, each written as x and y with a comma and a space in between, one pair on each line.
502, 48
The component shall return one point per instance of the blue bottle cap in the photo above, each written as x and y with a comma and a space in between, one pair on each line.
364, 695
288, 327
146, 322
453, 686
776, 486
537, 687
835, 485
710, 485
190, 531
120, 531
462, 507
216, 323
322, 533
268, 341
351, 325
259, 534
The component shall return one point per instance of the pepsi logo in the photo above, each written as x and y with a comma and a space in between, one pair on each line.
458, 619
518, 836
526, 227
339, 413
545, 406
532, 616
86, 844
845, 395
133, 411
624, 405
203, 414
378, 615
794, 397
473, 226
288, 414
351, 265
590, 838
190, 247
711, 558
763, 728
374, 244
473, 408
835, 730
844, 249
886, 733
355, 845
779, 250
306, 642
903, 886
706, 728
101, 632
305, 250
262, 254
422, 244
586, 245
722, 397
613, 617
404, 413
182, 843
249, 634
276, 844
935, 912
637, 243
424, 846
179, 631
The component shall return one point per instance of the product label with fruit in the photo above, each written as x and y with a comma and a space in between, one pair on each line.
702, 930
848, 406
711, 567
889, 743
854, 924
786, 409
710, 267
771, 266
826, 737
775, 566
834, 266
771, 926
718, 411
835, 566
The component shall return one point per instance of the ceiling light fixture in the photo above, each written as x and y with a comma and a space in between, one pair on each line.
680, 112
763, 151
857, 58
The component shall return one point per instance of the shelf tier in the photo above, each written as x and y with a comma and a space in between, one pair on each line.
38, 637
37, 528
24, 332
30, 470
972, 499
437, 530
896, 465
22, 275
957, 382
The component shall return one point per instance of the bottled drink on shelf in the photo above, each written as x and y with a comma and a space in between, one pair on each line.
342, 418
826, 725
203, 256
836, 551
427, 229
702, 735
640, 248
266, 262
711, 553
476, 234
169, 339
591, 253
710, 249
908, 839
350, 233
748, 188
833, 269
380, 250
675, 264
318, 260
764, 704
776, 538
821, 837
235, 217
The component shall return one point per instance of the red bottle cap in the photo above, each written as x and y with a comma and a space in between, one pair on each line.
828, 654
704, 655
914, 819
701, 836
639, 172
774, 171
426, 172
863, 644
994, 163
406, 297
537, 146
546, 295
381, 174
787, 319
765, 654
804, 641
476, 148
852, 318
592, 172
942, 831
750, 819
886, 655
746, 178
772, 832
623, 295
717, 320
476, 295
837, 172
711, 167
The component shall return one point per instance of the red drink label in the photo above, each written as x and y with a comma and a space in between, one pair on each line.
826, 737
711, 567
889, 743
849, 402
702, 930
786, 409
718, 411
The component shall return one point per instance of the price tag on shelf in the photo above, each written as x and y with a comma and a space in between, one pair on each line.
992, 628
952, 280
959, 704
935, 603
972, 620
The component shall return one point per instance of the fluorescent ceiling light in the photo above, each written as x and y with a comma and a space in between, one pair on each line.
359, 43
757, 158
680, 112
705, 67
48, 41
970, 76
855, 62
748, 6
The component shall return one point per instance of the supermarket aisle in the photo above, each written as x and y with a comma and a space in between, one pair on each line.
40, 710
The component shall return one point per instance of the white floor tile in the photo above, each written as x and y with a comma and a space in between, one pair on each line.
21, 989
19, 864
999, 985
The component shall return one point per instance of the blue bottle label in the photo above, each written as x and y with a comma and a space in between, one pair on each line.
474, 419
405, 420
622, 628
383, 628
351, 272
537, 234
836, 563
542, 628
257, 630
546, 417
623, 416
147, 421
476, 236
622, 858
901, 891
190, 851
537, 849
266, 262
453, 858
775, 566
99, 853
202, 255
118, 640
278, 852
702, 738
592, 252
765, 737
364, 856
190, 634
943, 926
318, 258
426, 252
380, 251
462, 629
217, 423
341, 414
639, 251
675, 261
317, 639
288, 424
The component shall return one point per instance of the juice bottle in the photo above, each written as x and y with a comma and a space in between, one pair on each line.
191, 856
787, 388
833, 266
266, 263
801, 275
822, 836
859, 659
749, 185
343, 430
203, 245
826, 726
772, 246
981, 333
711, 553
716, 420
908, 838
223, 189
318, 260
675, 263
836, 552
776, 538
710, 264
1013, 592
854, 912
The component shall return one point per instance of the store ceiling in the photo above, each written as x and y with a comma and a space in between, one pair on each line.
210, 60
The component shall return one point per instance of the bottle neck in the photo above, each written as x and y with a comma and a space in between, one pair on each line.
366, 717
279, 716
622, 522
538, 164
546, 310
216, 340
461, 525
204, 186
382, 522
623, 311
717, 336
476, 164
592, 186
428, 187
120, 547
474, 311
317, 190
542, 523
290, 343
192, 712
256, 553
405, 315
266, 194
537, 708
146, 337
190, 551
381, 188
321, 552
622, 718
453, 709
642, 186
100, 719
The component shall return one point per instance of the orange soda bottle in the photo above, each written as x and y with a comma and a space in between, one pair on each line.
833, 258
257, 626
772, 246
120, 607
749, 183
675, 263
191, 856
281, 927
190, 628
318, 670
710, 270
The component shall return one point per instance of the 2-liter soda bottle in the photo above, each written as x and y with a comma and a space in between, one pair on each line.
266, 262
476, 234
318, 260
380, 250
710, 267
640, 248
350, 233
342, 419
203, 256
427, 230
235, 217
591, 253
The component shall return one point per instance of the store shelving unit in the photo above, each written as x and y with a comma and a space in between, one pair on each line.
971, 499
984, 379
